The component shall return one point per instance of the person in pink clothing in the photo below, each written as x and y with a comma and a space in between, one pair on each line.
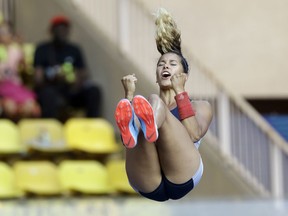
16, 100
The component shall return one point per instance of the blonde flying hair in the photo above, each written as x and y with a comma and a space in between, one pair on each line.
168, 36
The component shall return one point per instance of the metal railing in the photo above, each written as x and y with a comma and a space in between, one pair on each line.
242, 135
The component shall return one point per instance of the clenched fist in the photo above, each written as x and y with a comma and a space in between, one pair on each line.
178, 82
128, 83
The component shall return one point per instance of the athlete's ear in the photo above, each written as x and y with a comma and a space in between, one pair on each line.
186, 76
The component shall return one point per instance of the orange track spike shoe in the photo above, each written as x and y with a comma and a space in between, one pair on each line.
124, 117
144, 112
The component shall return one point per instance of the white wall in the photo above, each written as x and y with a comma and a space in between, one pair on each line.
244, 42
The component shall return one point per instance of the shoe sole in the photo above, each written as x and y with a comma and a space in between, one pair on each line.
124, 118
143, 110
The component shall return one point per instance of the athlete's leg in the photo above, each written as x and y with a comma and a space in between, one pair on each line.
142, 162
142, 166
179, 158
174, 153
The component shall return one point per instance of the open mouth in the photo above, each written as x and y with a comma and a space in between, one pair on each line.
166, 74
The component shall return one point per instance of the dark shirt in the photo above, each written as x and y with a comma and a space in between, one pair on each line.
52, 57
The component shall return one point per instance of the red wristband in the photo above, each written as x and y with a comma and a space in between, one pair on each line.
184, 106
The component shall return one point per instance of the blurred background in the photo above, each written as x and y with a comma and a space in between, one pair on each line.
237, 53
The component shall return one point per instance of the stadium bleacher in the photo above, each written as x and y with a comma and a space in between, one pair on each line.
35, 158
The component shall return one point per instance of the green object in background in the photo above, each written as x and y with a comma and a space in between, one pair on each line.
29, 50
3, 53
68, 71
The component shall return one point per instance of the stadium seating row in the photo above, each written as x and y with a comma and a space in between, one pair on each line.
45, 178
91, 135
27, 175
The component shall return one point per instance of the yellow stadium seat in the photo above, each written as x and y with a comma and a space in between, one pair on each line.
118, 177
8, 188
9, 138
44, 135
93, 135
37, 177
88, 177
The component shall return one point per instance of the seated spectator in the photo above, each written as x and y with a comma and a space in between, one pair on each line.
16, 100
61, 77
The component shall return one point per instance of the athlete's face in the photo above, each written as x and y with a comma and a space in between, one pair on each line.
168, 65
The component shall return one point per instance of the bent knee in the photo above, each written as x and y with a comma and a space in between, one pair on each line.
156, 102
154, 97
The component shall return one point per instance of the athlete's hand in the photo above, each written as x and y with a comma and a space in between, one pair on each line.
178, 82
129, 84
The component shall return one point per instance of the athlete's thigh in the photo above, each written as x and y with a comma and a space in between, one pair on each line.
173, 131
179, 158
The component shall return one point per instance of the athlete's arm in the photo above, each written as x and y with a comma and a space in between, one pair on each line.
198, 124
128, 83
